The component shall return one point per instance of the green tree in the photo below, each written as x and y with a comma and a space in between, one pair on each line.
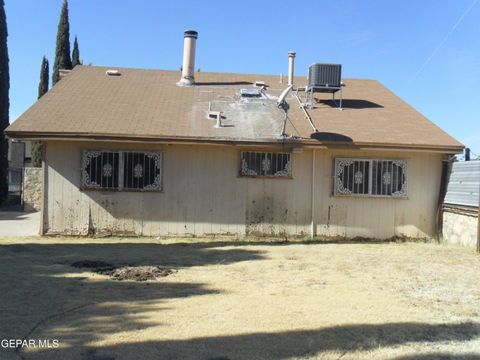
43, 84
75, 54
4, 103
62, 49
37, 148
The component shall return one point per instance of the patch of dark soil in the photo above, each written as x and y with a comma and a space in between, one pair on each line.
136, 273
92, 264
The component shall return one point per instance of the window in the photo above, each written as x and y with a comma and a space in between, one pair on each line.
370, 177
122, 170
265, 164
100, 169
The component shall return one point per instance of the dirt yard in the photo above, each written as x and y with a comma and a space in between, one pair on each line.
234, 300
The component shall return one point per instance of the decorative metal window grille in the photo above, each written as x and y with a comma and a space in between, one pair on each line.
100, 169
371, 177
142, 170
265, 164
121, 170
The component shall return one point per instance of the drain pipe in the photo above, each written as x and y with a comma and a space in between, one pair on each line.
307, 115
478, 223
312, 222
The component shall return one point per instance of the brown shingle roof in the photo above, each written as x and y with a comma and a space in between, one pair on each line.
148, 105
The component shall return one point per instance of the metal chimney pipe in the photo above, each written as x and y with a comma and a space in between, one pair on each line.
188, 67
291, 65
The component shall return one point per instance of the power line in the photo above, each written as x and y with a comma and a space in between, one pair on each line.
443, 41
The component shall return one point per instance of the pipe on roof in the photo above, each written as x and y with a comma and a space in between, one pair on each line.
291, 66
188, 67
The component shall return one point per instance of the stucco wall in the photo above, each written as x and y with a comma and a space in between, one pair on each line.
460, 227
202, 194
32, 189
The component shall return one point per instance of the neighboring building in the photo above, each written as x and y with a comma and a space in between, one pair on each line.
19, 157
132, 152
460, 209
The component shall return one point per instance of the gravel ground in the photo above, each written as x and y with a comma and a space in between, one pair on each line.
240, 300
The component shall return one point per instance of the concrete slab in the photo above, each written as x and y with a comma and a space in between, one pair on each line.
15, 223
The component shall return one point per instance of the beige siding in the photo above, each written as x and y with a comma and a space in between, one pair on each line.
202, 195
379, 217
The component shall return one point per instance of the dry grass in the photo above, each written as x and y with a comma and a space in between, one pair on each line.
233, 300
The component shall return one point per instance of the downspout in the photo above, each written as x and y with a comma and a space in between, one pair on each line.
44, 202
478, 223
312, 222
446, 169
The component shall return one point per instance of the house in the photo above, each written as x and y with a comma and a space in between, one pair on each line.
154, 153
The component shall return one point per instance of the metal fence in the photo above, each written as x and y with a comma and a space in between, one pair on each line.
464, 184
15, 178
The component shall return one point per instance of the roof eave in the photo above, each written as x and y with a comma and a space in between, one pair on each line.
36, 136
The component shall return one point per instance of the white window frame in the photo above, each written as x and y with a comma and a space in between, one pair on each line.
88, 155
342, 162
245, 171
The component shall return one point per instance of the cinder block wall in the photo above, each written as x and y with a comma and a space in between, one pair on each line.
32, 189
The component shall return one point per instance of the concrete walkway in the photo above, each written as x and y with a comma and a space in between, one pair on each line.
13, 223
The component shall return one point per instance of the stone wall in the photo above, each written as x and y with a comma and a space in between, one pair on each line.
460, 226
32, 189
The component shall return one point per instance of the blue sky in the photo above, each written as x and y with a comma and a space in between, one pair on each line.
427, 52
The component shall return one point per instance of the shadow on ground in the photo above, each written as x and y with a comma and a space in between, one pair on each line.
42, 296
39, 286
440, 356
285, 345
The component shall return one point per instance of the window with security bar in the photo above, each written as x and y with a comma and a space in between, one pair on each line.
265, 164
122, 170
372, 177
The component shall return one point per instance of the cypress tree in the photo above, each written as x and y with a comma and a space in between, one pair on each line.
62, 49
4, 103
42, 89
43, 84
75, 54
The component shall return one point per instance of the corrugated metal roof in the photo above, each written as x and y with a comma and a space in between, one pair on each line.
464, 184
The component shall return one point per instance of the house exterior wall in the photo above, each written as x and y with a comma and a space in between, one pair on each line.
203, 195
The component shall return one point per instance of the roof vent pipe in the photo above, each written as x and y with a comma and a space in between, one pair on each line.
188, 67
291, 65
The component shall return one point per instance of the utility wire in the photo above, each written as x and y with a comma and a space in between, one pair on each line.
443, 41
